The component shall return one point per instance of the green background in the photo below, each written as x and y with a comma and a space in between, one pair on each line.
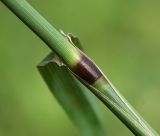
122, 36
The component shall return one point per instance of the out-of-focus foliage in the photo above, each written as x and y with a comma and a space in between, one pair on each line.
121, 36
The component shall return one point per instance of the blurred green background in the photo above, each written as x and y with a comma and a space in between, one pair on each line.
122, 36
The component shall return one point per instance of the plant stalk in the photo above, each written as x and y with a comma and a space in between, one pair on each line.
82, 66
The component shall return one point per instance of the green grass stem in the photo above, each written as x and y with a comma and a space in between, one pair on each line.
70, 55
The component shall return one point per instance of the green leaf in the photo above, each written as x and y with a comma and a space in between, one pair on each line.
78, 102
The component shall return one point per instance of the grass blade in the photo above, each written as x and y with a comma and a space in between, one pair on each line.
122, 109
80, 64
79, 103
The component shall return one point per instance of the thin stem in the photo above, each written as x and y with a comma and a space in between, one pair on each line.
43, 29
81, 66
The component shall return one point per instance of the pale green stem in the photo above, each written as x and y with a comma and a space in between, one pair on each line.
44, 30
71, 57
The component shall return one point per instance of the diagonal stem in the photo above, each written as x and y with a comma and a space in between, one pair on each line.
81, 66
